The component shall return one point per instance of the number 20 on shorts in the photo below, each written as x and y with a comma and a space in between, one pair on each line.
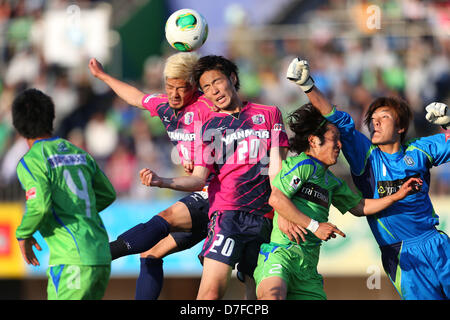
227, 248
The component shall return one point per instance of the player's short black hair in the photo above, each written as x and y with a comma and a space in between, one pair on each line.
33, 113
304, 122
213, 62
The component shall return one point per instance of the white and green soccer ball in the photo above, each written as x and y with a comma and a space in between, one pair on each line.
186, 30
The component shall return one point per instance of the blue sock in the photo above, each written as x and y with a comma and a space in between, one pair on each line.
150, 280
144, 236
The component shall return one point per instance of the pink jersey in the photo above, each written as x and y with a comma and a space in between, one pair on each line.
182, 125
237, 148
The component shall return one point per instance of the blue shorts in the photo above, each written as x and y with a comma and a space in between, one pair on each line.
198, 206
419, 268
235, 237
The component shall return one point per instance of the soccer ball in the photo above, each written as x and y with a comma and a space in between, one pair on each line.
186, 30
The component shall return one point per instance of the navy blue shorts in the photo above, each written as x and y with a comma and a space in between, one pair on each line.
234, 237
198, 205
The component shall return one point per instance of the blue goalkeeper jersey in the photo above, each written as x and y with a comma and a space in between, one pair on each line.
378, 174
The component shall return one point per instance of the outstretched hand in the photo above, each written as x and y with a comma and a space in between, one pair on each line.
96, 69
411, 186
298, 72
327, 230
438, 113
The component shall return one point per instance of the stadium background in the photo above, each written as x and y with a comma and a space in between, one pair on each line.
358, 50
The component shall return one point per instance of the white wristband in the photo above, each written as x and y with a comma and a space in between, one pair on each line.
313, 226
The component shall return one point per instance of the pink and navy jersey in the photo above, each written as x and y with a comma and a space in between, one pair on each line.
236, 148
183, 124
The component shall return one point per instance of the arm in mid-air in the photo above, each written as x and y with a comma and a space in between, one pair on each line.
299, 73
355, 145
130, 94
371, 206
194, 182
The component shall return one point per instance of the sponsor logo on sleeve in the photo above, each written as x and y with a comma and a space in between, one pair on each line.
30, 194
147, 99
278, 127
295, 182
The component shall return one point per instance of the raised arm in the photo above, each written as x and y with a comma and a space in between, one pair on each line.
130, 94
298, 72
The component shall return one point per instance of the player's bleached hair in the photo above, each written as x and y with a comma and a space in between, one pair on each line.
180, 66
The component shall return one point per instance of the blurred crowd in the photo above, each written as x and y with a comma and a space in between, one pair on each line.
350, 62
353, 61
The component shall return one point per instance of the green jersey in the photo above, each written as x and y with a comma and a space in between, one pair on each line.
312, 189
65, 191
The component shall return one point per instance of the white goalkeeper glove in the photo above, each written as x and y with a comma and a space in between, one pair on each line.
438, 113
298, 72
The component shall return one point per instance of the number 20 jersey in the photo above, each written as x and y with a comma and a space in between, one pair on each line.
65, 190
237, 150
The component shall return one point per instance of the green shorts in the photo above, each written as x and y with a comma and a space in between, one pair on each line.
296, 265
77, 282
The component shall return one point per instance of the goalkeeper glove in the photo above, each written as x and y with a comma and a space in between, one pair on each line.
438, 113
298, 72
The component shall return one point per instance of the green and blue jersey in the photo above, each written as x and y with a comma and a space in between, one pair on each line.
378, 174
65, 191
312, 188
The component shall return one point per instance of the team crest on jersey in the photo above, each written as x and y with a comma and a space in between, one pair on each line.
295, 182
30, 194
188, 118
258, 119
447, 136
409, 161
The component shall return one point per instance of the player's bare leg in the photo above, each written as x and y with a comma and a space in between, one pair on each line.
273, 288
215, 278
162, 249
178, 216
